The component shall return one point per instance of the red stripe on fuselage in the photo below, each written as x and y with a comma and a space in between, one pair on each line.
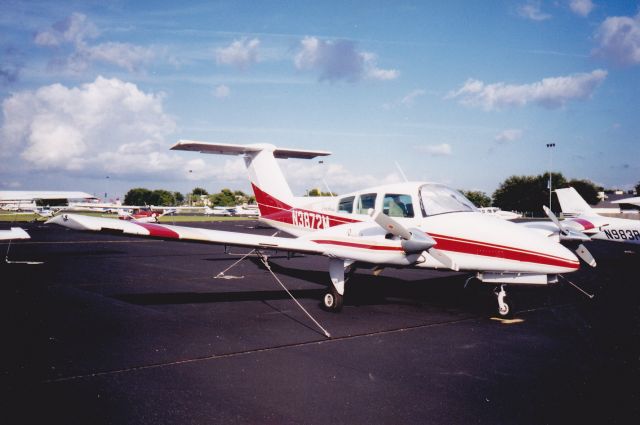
159, 231
273, 209
465, 246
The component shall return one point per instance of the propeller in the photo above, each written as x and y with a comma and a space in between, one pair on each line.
570, 235
414, 241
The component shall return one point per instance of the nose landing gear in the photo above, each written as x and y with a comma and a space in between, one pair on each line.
505, 304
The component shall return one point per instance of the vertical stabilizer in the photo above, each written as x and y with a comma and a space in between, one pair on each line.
269, 184
571, 203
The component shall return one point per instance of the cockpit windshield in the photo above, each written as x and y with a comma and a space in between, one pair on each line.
439, 199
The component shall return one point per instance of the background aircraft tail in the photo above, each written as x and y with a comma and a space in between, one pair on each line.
269, 184
571, 203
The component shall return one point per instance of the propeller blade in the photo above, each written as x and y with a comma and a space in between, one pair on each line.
389, 224
566, 234
414, 240
554, 219
586, 256
447, 261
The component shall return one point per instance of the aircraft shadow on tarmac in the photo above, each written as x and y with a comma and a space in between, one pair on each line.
364, 289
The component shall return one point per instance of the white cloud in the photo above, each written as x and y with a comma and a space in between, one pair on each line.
618, 39
338, 60
303, 175
75, 29
406, 101
531, 10
104, 126
124, 55
410, 98
240, 53
222, 91
508, 135
581, 7
443, 149
549, 92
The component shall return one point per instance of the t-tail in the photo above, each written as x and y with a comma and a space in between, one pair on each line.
272, 192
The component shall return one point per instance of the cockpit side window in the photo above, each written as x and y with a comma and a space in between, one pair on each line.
366, 201
397, 205
345, 205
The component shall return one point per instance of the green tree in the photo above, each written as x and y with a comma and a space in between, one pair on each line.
161, 197
318, 192
527, 194
199, 191
179, 197
137, 196
225, 198
479, 199
637, 188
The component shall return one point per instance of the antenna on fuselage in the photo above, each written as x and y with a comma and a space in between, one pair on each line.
401, 172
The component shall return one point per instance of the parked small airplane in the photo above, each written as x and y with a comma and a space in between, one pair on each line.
243, 211
144, 215
413, 224
583, 218
219, 211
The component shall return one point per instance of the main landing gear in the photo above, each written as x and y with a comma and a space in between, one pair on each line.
334, 297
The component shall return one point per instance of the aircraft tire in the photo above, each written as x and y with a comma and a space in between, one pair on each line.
332, 301
507, 312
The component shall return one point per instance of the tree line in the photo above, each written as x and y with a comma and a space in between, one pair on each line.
525, 194
165, 198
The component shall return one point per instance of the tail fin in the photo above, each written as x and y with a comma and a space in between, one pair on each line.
571, 202
269, 185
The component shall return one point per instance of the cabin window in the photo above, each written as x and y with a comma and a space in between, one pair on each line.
439, 199
366, 201
345, 205
396, 205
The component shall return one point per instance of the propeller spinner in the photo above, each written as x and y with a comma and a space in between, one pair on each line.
413, 240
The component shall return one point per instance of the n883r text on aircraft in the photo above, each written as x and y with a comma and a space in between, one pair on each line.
413, 224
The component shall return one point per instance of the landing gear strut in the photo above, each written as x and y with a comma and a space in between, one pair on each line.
505, 304
333, 298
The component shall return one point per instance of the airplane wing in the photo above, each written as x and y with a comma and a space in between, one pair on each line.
13, 233
375, 249
170, 232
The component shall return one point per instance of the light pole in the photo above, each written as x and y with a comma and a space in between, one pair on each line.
550, 146
106, 190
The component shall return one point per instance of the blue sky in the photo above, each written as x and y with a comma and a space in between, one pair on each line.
464, 93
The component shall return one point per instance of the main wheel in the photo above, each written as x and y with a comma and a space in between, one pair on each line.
332, 301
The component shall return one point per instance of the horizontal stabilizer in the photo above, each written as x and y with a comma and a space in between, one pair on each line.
230, 149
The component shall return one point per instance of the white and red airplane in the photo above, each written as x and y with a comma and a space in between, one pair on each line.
144, 215
581, 217
413, 224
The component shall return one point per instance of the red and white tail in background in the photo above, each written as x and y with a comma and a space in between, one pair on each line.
273, 194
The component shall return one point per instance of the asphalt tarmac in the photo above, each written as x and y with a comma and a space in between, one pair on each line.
117, 330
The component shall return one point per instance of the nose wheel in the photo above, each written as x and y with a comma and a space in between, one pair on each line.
505, 304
